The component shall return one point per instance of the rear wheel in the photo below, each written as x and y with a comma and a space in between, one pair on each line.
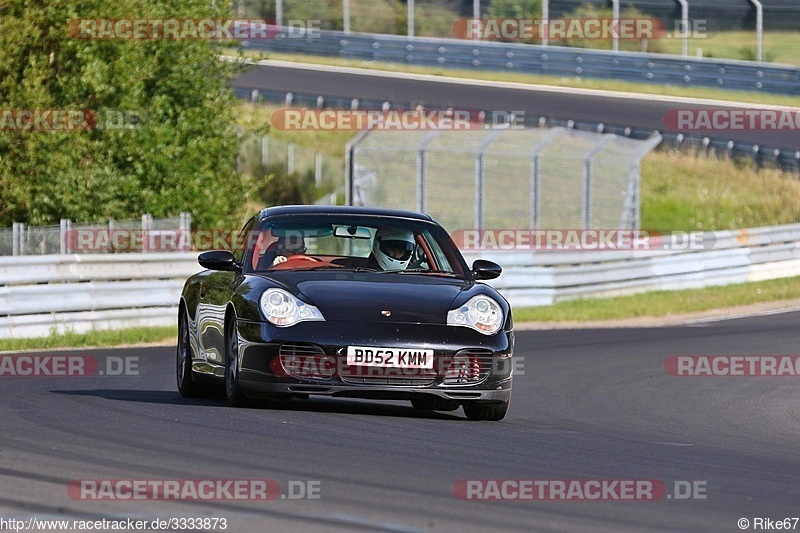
233, 392
186, 385
486, 411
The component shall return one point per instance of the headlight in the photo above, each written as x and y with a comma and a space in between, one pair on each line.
283, 309
480, 313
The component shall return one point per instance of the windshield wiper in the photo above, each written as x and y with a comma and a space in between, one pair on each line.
341, 268
423, 271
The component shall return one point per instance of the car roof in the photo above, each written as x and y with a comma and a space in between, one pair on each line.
284, 210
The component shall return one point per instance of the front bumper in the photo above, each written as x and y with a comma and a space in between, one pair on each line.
263, 371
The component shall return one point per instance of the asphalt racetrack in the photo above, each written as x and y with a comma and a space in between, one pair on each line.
644, 112
587, 404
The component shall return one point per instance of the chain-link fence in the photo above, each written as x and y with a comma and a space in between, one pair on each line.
67, 237
502, 178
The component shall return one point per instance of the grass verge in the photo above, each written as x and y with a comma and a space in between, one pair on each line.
94, 338
663, 303
696, 192
779, 46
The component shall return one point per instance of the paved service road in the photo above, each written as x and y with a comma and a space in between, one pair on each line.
645, 112
589, 404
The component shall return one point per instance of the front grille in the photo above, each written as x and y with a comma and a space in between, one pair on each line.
307, 361
420, 381
469, 367
375, 375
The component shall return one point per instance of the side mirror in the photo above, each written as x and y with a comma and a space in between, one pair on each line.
217, 260
483, 269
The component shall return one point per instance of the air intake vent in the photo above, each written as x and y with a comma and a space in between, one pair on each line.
307, 361
469, 367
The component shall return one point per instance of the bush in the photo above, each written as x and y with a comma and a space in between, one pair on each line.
593, 11
177, 159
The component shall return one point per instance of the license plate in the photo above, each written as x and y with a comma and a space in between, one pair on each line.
389, 357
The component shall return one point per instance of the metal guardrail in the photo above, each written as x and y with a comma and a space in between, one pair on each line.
40, 294
545, 60
80, 292
538, 278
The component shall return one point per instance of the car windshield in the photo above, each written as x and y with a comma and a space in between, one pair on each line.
353, 242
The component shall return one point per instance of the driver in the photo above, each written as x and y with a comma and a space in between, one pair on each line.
286, 247
392, 249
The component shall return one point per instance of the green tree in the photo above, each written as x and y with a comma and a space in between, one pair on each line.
181, 156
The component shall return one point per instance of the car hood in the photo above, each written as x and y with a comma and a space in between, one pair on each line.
364, 297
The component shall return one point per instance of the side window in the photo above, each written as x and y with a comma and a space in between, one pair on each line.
243, 241
439, 257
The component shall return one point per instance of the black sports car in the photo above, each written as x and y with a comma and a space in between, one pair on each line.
347, 302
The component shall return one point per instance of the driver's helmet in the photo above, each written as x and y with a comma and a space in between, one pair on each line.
393, 248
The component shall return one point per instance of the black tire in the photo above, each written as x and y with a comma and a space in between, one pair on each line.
186, 384
431, 403
233, 392
486, 411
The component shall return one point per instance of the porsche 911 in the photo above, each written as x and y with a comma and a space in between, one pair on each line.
350, 302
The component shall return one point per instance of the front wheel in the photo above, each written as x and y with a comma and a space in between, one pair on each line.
486, 411
233, 392
186, 385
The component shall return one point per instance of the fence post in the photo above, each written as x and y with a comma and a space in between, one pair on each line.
535, 186
290, 158
410, 17
265, 150
480, 171
545, 22
318, 169
16, 238
536, 173
349, 165
65, 226
587, 179
147, 224
422, 169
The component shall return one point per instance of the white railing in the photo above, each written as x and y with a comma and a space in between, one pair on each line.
39, 294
